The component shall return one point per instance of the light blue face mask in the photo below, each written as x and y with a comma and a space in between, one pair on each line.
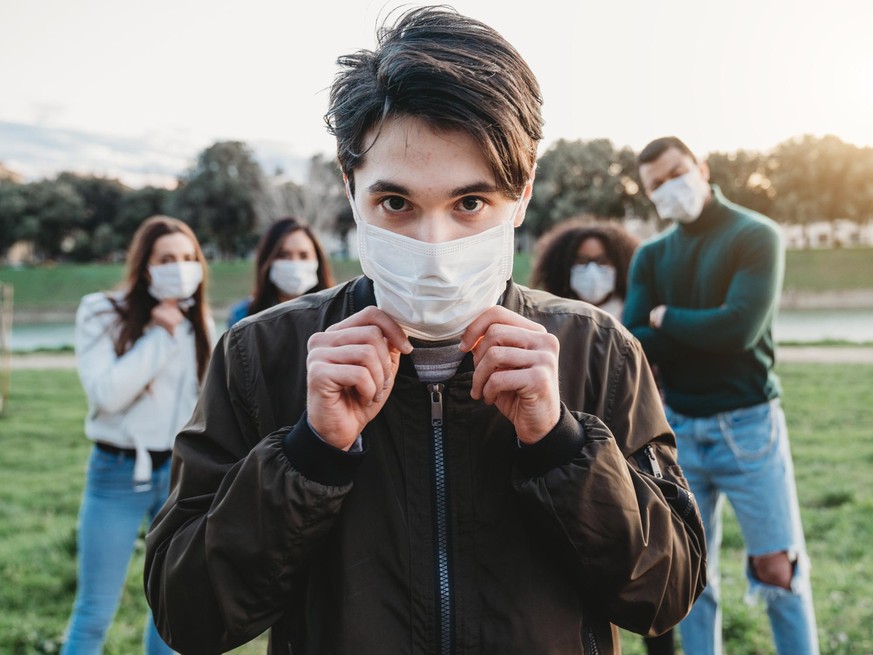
682, 198
175, 281
294, 277
592, 282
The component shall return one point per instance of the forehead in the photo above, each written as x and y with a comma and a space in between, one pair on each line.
672, 159
297, 240
174, 243
412, 154
590, 247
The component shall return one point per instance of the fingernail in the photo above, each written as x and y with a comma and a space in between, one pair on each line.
407, 347
387, 382
462, 346
377, 398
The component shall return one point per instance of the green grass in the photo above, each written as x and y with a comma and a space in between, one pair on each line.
58, 288
829, 270
43, 454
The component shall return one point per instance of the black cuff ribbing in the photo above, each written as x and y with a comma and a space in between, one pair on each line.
558, 447
317, 460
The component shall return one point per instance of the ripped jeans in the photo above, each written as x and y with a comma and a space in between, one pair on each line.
744, 455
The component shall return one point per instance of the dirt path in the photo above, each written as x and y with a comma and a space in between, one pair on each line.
808, 354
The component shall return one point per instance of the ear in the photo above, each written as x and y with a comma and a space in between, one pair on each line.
526, 194
704, 170
347, 188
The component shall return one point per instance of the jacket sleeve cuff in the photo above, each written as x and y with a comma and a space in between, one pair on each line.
558, 447
317, 460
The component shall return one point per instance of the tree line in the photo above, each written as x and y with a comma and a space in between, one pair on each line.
228, 199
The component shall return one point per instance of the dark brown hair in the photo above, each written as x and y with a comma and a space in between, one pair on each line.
556, 253
265, 293
450, 71
658, 147
135, 311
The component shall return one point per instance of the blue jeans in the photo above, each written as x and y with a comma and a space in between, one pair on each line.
110, 518
744, 455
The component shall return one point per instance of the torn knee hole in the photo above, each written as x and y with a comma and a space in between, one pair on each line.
776, 569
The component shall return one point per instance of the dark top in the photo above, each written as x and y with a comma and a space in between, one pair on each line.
720, 277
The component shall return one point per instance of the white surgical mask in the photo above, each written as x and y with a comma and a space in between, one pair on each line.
435, 290
293, 277
175, 281
592, 282
682, 198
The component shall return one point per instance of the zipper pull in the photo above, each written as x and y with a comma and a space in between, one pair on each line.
436, 404
656, 470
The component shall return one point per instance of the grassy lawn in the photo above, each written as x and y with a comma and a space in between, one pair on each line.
829, 270
59, 287
43, 457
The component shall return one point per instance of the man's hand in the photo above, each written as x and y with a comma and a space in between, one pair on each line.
516, 369
656, 316
167, 315
350, 372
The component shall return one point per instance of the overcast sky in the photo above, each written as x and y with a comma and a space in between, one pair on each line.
136, 89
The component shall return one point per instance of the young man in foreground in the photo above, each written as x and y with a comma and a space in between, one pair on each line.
427, 459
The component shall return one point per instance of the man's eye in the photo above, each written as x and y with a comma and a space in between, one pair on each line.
471, 204
394, 203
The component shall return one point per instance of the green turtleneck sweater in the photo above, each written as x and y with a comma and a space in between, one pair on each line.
720, 278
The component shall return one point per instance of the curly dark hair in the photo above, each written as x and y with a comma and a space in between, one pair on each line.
453, 73
556, 253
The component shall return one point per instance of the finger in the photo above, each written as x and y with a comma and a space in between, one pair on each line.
500, 334
374, 316
528, 384
365, 335
502, 358
333, 378
364, 356
491, 316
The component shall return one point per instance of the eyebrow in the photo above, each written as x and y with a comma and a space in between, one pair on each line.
660, 181
384, 186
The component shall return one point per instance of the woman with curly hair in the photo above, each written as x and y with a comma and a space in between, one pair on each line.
585, 260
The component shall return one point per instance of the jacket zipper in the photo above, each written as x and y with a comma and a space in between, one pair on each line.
444, 590
653, 462
592, 641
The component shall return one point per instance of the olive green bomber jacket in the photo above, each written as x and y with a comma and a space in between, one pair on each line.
456, 540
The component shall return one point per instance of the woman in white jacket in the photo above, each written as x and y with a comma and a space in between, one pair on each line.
141, 352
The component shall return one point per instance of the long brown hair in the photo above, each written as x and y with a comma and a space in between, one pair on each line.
135, 310
265, 293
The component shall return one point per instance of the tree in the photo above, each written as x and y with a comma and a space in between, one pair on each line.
584, 177
320, 200
744, 176
101, 198
822, 178
12, 207
136, 206
52, 215
220, 195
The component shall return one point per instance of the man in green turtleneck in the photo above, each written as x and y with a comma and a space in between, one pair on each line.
701, 299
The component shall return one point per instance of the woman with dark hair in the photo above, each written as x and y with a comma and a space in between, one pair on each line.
142, 352
289, 262
588, 261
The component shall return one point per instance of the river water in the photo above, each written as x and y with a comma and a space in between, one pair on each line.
792, 325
